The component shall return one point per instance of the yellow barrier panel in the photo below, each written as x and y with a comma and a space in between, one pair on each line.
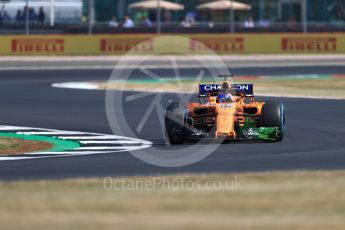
318, 43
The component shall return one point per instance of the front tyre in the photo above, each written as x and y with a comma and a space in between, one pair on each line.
175, 124
273, 115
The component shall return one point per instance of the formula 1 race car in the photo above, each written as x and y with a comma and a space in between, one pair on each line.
226, 112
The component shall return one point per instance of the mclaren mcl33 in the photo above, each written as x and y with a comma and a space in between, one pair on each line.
226, 112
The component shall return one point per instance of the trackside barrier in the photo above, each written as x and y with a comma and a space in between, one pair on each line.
332, 43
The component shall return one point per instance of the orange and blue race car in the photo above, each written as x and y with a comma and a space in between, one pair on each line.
226, 112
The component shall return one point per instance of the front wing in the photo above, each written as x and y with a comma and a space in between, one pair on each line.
244, 133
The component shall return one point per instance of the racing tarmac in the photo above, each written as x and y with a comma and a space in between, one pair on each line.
315, 137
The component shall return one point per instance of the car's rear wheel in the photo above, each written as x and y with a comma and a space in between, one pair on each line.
273, 115
175, 124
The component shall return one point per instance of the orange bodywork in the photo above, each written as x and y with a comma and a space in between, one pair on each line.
225, 119
224, 116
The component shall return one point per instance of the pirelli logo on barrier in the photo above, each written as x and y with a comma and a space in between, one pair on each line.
116, 45
309, 44
218, 45
275, 43
34, 45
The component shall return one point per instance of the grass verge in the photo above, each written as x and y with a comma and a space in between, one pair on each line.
13, 146
284, 200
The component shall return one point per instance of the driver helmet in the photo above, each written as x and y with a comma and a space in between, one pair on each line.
223, 98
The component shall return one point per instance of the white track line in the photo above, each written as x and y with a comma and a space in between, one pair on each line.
51, 133
17, 158
105, 137
71, 152
75, 85
110, 142
103, 142
102, 148
10, 128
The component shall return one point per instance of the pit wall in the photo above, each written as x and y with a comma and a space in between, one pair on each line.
332, 43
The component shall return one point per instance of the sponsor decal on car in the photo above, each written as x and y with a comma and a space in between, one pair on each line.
249, 133
239, 88
225, 106
210, 87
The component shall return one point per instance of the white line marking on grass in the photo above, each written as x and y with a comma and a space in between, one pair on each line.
90, 143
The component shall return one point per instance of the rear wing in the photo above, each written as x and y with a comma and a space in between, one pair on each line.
246, 89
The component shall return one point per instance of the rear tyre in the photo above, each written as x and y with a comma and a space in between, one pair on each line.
273, 115
175, 124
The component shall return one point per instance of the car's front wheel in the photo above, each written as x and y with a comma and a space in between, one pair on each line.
273, 115
175, 124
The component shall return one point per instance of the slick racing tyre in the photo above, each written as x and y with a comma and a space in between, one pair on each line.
273, 115
174, 124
